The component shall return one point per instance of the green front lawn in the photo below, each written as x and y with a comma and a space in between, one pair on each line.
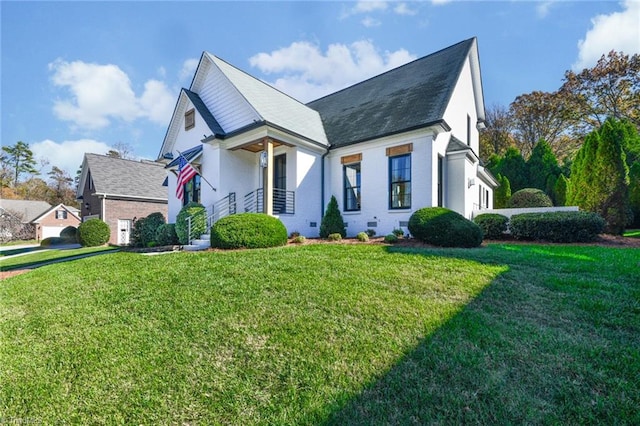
329, 334
25, 260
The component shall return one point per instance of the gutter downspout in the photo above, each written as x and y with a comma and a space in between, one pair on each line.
322, 184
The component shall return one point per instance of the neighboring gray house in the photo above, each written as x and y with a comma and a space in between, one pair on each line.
120, 191
16, 217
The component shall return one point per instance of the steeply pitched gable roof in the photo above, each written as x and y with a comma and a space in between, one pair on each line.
412, 96
27, 209
125, 178
206, 115
72, 210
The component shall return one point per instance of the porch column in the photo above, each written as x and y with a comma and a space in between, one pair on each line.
268, 178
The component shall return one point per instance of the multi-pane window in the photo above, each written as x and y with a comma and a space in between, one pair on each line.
192, 191
440, 181
400, 182
352, 187
61, 214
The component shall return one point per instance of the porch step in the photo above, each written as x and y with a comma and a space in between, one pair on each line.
202, 243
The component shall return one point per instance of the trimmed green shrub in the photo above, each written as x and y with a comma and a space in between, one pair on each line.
502, 193
332, 221
52, 241
443, 227
362, 237
248, 230
334, 237
391, 238
146, 228
166, 235
93, 232
557, 227
529, 197
398, 232
371, 233
198, 222
493, 225
69, 234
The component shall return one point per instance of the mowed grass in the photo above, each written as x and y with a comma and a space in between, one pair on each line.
46, 255
326, 334
633, 233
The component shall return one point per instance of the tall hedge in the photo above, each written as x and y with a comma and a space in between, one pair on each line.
248, 230
443, 227
93, 232
502, 193
145, 229
198, 214
557, 227
332, 222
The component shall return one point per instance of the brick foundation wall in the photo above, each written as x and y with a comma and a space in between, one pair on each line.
128, 210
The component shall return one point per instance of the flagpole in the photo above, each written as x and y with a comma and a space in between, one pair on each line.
199, 174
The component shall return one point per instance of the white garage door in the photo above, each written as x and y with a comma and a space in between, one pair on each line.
51, 231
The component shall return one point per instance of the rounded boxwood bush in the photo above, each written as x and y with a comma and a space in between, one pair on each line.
198, 222
145, 229
93, 232
445, 228
529, 197
493, 225
557, 227
166, 235
391, 238
69, 234
248, 230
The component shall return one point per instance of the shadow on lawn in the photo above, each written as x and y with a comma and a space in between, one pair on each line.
511, 355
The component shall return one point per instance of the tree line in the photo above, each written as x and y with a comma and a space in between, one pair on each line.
21, 175
579, 144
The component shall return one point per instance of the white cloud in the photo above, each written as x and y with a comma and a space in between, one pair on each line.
542, 8
188, 69
102, 93
403, 9
369, 6
370, 22
307, 73
618, 31
66, 155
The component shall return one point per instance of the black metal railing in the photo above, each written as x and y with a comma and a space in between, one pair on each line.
284, 202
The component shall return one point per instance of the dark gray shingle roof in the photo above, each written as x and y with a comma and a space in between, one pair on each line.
412, 96
26, 209
127, 178
204, 112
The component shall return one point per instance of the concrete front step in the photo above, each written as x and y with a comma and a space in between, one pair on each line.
202, 243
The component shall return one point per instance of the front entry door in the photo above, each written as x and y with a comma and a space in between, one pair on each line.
124, 232
280, 184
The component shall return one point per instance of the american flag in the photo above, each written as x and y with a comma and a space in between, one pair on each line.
186, 172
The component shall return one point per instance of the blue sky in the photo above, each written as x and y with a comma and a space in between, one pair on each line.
82, 76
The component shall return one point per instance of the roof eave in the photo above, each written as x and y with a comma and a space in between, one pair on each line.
439, 126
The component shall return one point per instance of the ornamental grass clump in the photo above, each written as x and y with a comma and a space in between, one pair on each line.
445, 228
93, 232
248, 230
362, 237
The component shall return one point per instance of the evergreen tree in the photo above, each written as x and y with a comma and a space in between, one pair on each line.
634, 193
542, 168
20, 159
512, 166
502, 193
332, 222
560, 191
599, 176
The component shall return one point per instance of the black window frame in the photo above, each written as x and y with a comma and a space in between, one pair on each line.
348, 189
62, 213
393, 182
192, 190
